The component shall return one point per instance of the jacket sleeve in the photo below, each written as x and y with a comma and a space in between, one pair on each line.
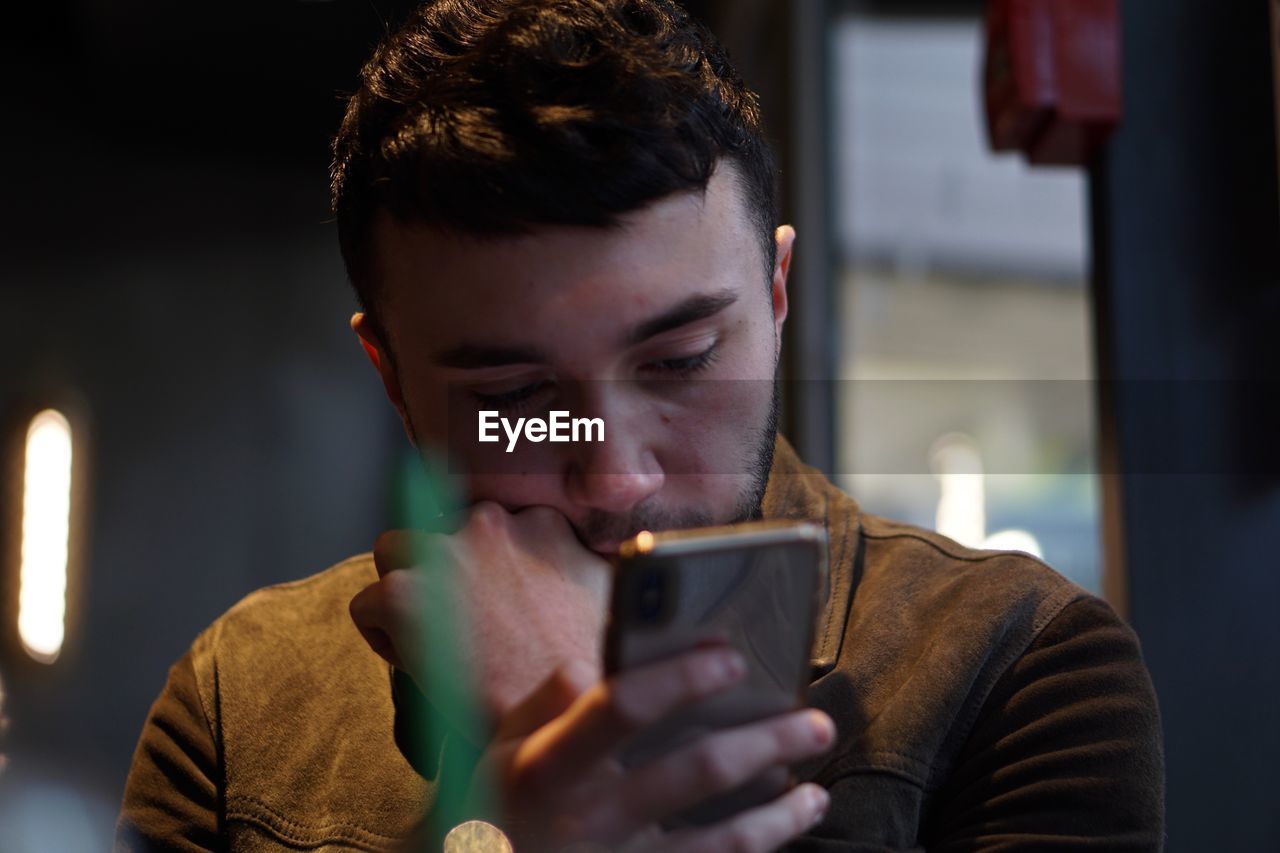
173, 792
1066, 754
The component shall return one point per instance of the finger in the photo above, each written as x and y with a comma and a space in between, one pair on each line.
397, 549
402, 549
370, 611
546, 531
764, 828
608, 713
544, 526
548, 701
712, 765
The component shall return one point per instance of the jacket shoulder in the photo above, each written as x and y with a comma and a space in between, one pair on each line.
932, 567
296, 624
303, 711
931, 627
306, 601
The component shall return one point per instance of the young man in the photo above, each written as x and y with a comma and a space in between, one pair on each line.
568, 205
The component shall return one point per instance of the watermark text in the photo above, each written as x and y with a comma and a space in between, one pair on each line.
558, 427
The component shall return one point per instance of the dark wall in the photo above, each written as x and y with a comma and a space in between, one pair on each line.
167, 258
1187, 236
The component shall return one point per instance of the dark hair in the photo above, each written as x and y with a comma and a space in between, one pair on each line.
493, 117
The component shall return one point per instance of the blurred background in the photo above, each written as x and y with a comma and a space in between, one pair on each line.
972, 347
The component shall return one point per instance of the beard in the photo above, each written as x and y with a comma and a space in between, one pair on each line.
611, 527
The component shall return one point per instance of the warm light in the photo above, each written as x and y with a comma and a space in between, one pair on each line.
46, 529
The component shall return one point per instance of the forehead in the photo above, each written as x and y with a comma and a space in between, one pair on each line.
451, 289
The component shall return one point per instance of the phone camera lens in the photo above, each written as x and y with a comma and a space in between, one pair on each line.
652, 596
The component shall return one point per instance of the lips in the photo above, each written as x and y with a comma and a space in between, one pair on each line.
606, 549
605, 539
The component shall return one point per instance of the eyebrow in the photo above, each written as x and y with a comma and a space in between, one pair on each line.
691, 310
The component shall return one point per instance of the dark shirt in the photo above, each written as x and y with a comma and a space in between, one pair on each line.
982, 702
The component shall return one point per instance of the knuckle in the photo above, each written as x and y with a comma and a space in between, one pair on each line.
714, 768
397, 584
387, 550
488, 515
399, 549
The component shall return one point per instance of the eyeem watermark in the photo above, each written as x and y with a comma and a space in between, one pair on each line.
559, 428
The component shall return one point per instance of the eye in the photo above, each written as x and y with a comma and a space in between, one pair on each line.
687, 365
511, 400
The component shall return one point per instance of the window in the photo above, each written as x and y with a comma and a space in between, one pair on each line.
966, 404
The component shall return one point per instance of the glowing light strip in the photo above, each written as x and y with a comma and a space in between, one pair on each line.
46, 530
961, 513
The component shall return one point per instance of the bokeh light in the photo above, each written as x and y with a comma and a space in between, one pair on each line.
46, 528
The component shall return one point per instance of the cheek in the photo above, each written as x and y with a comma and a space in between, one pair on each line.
718, 433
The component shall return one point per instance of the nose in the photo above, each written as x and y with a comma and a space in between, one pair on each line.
613, 492
618, 473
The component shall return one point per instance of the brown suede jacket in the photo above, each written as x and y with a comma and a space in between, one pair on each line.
982, 701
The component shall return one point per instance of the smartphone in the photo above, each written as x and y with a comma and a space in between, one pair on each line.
756, 586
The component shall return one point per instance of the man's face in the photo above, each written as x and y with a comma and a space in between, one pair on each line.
664, 328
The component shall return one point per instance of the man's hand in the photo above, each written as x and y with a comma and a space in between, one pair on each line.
553, 762
535, 601
530, 596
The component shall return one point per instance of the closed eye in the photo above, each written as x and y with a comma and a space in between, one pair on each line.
685, 366
508, 400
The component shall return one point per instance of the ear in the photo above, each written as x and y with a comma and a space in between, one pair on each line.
786, 238
379, 356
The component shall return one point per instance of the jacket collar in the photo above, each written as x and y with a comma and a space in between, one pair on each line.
798, 492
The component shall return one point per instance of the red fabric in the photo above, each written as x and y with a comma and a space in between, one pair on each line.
1052, 77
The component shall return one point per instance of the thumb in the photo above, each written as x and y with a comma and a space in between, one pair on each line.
548, 700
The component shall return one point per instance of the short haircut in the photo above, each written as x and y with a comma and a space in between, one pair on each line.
495, 117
